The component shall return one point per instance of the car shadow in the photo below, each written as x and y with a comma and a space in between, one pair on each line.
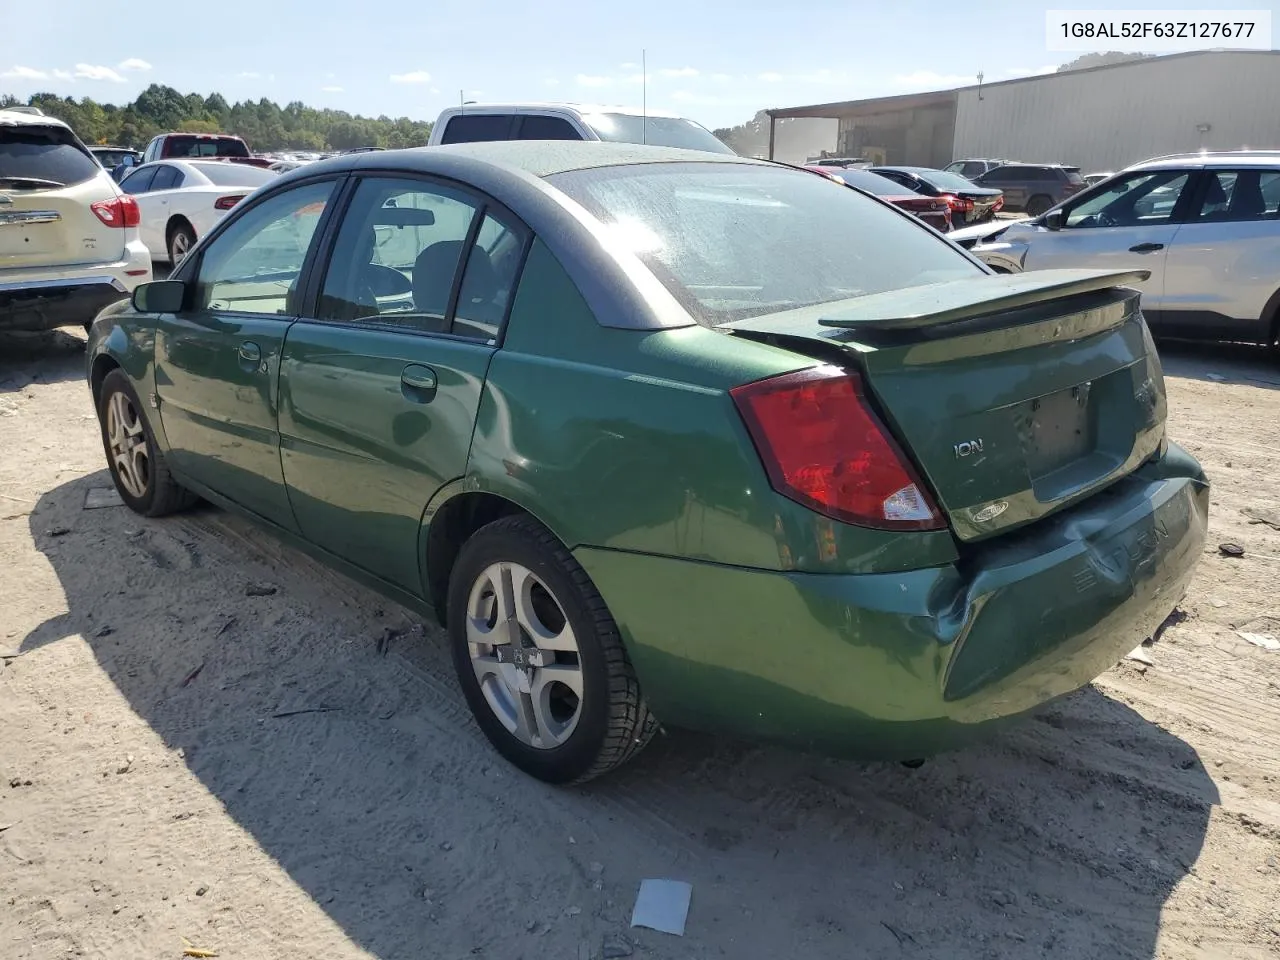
327, 723
1246, 363
43, 356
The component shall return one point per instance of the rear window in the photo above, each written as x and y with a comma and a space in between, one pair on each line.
235, 174
874, 183
735, 240
659, 131
179, 146
477, 128
48, 157
1073, 175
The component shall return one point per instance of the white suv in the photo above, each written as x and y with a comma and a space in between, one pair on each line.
69, 239
1206, 225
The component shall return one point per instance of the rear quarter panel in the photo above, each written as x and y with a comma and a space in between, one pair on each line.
629, 440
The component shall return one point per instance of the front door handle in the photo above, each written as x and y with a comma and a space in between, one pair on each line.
418, 383
1146, 247
250, 352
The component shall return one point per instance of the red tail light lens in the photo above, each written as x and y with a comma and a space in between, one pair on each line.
226, 203
118, 212
822, 446
957, 203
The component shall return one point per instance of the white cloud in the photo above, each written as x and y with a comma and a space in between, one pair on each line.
330, 89
63, 75
133, 63
24, 73
414, 76
679, 72
435, 89
329, 76
550, 82
1031, 71
770, 77
249, 75
589, 80
928, 80
92, 71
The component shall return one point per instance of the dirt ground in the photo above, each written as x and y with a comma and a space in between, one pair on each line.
203, 734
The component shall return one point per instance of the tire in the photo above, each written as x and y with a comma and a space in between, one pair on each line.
181, 239
1038, 205
146, 485
542, 730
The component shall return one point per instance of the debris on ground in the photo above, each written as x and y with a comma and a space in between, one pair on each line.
190, 950
1215, 377
127, 765
1262, 515
662, 905
253, 589
1172, 620
1140, 654
1231, 549
100, 497
1264, 640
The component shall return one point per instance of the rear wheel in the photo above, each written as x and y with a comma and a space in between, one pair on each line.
181, 239
1038, 205
137, 465
539, 657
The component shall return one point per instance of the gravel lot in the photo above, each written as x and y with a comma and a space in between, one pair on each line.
205, 735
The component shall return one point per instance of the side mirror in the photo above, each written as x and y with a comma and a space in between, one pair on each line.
1053, 220
160, 296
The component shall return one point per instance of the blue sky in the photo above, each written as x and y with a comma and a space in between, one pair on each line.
712, 60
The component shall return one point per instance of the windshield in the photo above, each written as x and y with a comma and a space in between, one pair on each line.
235, 174
659, 131
739, 240
43, 157
205, 147
943, 180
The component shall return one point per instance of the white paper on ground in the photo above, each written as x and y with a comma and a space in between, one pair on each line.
662, 905
1264, 640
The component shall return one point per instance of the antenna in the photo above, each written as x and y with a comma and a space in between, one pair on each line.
644, 97
461, 102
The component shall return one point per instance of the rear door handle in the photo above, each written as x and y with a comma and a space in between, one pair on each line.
1146, 247
418, 383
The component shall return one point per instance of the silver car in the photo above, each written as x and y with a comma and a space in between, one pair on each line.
1206, 226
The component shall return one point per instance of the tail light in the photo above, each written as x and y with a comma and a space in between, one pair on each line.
118, 211
226, 203
957, 203
822, 446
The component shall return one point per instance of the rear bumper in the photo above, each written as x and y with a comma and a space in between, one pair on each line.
69, 296
898, 666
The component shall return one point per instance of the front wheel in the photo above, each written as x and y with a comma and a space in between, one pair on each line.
539, 657
137, 464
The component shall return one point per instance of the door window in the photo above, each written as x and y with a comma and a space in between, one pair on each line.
1141, 199
254, 265
477, 127
535, 126
138, 181
399, 259
1238, 195
167, 177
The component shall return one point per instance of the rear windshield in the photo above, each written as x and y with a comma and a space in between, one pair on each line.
47, 157
204, 147
235, 174
659, 131
874, 183
1073, 175
735, 240
943, 180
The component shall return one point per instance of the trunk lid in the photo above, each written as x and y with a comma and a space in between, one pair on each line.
1015, 395
48, 182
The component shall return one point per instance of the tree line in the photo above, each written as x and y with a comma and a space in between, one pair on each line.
263, 124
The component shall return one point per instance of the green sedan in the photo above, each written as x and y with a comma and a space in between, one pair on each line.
663, 436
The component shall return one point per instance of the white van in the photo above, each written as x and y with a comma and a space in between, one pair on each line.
471, 123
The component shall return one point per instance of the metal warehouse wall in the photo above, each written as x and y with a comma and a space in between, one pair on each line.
1107, 118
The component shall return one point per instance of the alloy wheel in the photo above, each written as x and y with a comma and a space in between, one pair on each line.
525, 655
179, 247
130, 454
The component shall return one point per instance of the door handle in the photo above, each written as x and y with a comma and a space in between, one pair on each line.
418, 383
1146, 247
250, 352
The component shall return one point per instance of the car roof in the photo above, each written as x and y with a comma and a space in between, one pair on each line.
1225, 158
541, 158
20, 118
580, 108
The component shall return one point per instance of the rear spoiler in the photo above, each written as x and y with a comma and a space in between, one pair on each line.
935, 304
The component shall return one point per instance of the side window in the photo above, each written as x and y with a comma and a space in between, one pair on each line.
139, 181
535, 126
1237, 195
166, 178
1140, 199
399, 257
253, 266
489, 280
477, 127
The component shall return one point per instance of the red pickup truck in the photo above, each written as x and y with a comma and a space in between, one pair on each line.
201, 146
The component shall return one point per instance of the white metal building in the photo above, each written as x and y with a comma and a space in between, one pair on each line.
1099, 118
